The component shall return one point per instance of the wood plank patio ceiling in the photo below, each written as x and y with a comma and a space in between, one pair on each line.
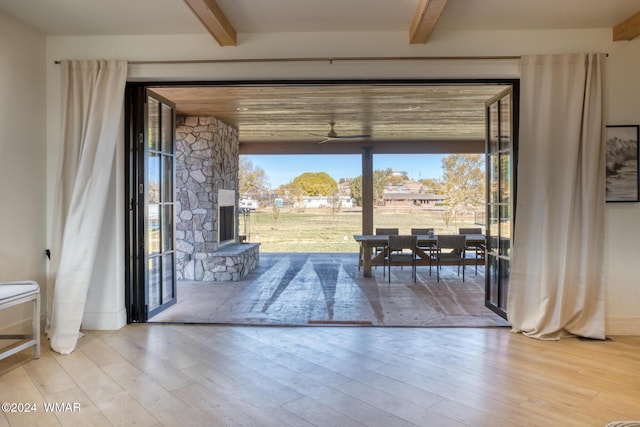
300, 114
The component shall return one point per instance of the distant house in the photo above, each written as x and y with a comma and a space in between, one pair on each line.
323, 202
412, 199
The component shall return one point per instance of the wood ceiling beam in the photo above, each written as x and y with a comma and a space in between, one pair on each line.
447, 146
628, 29
214, 19
425, 20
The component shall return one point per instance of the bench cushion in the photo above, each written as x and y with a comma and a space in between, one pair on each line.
11, 290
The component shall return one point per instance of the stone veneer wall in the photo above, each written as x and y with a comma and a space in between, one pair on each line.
207, 159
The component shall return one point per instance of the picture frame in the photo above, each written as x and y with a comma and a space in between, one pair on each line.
622, 178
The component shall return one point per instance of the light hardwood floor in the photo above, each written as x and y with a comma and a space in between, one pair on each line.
205, 375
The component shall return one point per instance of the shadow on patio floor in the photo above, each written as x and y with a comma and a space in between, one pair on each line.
327, 289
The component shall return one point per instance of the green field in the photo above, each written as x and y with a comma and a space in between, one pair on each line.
319, 230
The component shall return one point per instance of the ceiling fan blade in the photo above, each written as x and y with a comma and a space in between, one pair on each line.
332, 135
352, 136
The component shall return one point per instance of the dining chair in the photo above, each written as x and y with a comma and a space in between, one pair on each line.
477, 250
428, 248
400, 251
378, 249
450, 248
383, 232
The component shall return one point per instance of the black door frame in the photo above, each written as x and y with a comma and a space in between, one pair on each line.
134, 127
136, 298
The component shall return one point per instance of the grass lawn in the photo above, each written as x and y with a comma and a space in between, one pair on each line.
319, 230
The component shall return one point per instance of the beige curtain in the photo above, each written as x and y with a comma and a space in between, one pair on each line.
92, 105
556, 284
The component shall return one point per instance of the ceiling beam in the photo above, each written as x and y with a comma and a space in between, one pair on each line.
425, 20
445, 146
214, 19
628, 29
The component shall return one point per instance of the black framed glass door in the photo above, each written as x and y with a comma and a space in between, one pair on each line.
500, 199
151, 188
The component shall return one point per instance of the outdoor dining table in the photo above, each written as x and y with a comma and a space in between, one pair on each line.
369, 241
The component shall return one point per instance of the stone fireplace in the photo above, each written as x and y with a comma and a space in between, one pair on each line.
207, 161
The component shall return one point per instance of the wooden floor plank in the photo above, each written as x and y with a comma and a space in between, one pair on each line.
118, 406
147, 362
329, 396
320, 415
153, 396
414, 413
17, 388
48, 376
84, 413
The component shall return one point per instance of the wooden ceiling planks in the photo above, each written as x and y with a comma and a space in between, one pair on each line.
301, 113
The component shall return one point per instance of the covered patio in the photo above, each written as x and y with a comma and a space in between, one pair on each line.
301, 289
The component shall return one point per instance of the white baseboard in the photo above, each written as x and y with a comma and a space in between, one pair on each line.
104, 321
622, 325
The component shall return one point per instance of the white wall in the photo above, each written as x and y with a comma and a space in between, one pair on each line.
623, 84
22, 158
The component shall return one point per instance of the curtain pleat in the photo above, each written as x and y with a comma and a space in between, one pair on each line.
92, 105
556, 286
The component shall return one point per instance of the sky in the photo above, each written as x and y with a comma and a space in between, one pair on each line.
282, 169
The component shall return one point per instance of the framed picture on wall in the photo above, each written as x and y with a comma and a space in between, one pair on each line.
622, 163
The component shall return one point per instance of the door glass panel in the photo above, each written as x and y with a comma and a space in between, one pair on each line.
154, 229
493, 277
494, 130
168, 279
492, 180
492, 232
153, 274
167, 228
152, 124
153, 177
505, 277
505, 230
167, 129
505, 123
505, 181
167, 178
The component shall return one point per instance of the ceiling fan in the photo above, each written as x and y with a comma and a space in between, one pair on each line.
332, 135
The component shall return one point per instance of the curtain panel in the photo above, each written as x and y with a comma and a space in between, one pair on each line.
557, 286
92, 107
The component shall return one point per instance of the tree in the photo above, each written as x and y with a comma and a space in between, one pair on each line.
275, 211
433, 185
379, 182
294, 193
463, 179
396, 179
316, 183
335, 202
253, 180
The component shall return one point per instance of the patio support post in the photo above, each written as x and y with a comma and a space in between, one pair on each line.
367, 190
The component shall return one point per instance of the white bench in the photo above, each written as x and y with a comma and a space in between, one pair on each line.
14, 293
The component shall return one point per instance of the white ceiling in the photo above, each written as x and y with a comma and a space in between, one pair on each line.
302, 124
117, 17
